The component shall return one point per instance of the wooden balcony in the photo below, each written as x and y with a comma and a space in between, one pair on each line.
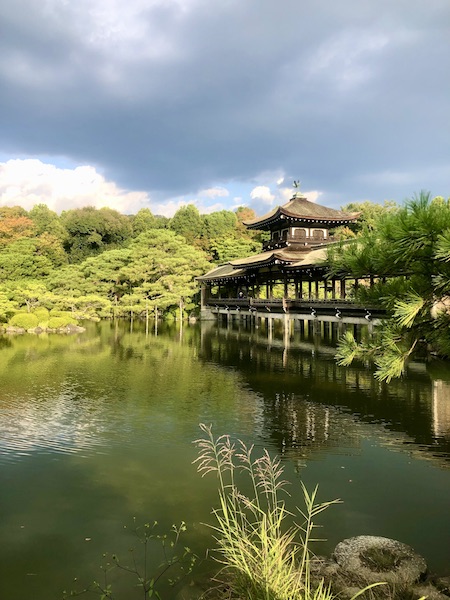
297, 243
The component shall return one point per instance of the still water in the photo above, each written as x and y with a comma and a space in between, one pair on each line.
97, 428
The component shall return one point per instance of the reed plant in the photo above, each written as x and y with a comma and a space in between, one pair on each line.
265, 554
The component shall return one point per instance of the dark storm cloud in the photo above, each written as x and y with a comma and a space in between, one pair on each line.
352, 97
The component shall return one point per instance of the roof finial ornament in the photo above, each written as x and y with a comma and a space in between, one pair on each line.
297, 193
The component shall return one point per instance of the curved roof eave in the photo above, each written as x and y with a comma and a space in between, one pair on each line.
301, 209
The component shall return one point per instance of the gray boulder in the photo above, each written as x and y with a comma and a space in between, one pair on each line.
376, 559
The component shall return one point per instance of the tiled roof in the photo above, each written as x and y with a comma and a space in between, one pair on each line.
243, 266
222, 272
299, 208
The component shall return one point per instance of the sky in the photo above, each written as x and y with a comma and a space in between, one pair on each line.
222, 103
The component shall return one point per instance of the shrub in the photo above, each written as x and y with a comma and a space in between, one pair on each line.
41, 313
24, 320
58, 322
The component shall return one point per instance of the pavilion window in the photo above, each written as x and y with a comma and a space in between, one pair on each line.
299, 233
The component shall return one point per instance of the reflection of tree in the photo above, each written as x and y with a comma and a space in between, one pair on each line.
311, 404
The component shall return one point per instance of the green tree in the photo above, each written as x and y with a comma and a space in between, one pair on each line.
103, 273
22, 259
47, 221
226, 248
7, 307
411, 247
162, 269
68, 281
219, 224
25, 293
142, 221
51, 246
187, 222
91, 231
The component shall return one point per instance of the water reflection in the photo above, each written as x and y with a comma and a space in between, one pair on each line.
97, 427
310, 403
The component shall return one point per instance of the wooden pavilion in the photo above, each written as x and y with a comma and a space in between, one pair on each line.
290, 275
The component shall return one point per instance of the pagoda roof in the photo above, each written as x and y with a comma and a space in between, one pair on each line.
224, 272
301, 209
242, 267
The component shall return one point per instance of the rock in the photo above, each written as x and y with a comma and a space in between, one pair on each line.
429, 591
323, 568
10, 329
443, 584
71, 328
377, 559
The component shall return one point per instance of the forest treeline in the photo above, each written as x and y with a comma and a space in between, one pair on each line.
99, 263
93, 262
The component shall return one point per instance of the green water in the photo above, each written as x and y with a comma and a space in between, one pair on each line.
97, 428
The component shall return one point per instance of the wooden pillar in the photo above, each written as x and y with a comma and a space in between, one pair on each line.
342, 291
203, 296
317, 289
309, 289
286, 289
333, 289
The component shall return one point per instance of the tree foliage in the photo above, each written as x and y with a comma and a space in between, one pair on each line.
187, 222
97, 262
408, 250
92, 230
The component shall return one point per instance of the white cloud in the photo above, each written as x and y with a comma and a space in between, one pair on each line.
262, 192
313, 195
30, 181
217, 192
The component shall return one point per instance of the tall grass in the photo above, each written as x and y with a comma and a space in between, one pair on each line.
264, 553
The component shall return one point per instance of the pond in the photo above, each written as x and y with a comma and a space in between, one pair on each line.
97, 429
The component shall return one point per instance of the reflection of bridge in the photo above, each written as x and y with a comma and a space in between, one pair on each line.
311, 403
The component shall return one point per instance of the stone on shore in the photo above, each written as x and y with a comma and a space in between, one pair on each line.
380, 559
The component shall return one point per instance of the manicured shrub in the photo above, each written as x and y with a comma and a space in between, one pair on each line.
58, 322
24, 320
41, 313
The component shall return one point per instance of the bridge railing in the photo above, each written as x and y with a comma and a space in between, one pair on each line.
303, 305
